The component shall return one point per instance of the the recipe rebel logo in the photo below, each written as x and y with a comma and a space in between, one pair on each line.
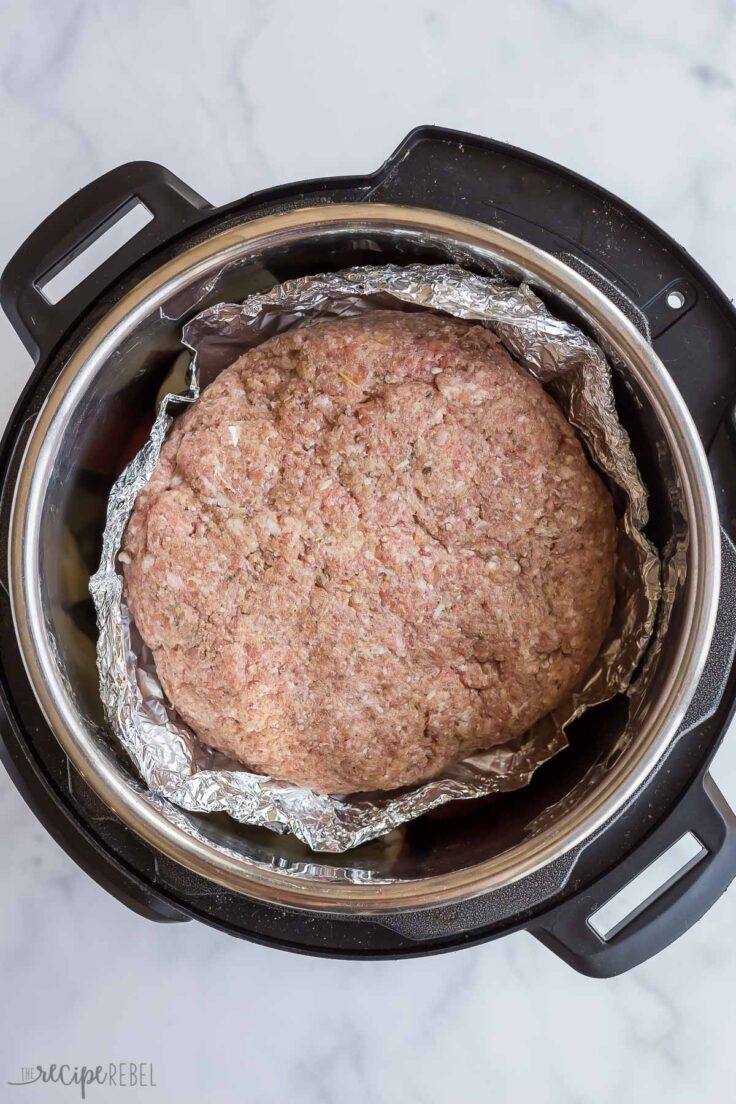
117, 1075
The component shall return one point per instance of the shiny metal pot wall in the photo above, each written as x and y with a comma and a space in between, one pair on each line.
102, 405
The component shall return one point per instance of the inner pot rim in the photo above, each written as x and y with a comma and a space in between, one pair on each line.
701, 595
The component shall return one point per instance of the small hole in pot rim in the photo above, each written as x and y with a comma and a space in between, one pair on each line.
676, 300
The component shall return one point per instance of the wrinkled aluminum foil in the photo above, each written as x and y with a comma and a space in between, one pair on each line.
170, 758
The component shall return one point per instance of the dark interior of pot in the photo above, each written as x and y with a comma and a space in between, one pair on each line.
111, 422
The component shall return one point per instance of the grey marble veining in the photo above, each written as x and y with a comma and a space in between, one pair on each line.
236, 96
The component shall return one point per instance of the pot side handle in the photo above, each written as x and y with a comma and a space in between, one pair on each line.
703, 811
75, 225
670, 911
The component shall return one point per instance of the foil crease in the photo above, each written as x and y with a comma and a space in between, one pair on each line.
173, 764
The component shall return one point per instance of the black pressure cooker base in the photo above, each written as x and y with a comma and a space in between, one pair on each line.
664, 292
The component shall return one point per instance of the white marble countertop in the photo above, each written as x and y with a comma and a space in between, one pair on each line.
236, 96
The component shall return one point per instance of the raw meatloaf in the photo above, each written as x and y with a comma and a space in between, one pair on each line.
372, 546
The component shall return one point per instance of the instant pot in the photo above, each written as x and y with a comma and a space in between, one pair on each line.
545, 858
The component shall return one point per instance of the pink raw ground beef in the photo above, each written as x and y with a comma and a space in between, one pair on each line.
372, 547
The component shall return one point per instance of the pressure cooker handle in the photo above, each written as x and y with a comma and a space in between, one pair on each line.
75, 225
669, 911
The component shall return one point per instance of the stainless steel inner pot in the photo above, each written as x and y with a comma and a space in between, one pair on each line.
96, 416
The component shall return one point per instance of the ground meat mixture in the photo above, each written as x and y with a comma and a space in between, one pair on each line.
373, 546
